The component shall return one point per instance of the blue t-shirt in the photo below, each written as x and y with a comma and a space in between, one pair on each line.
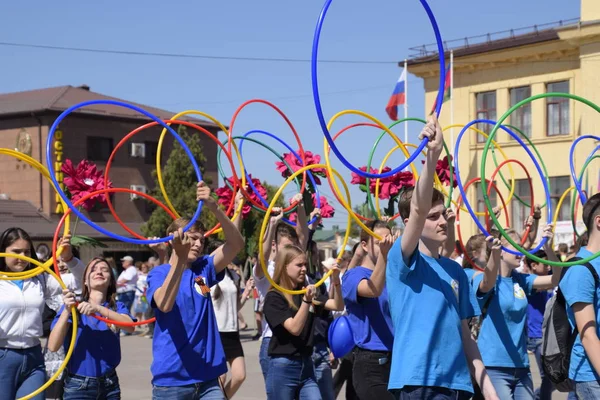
429, 298
97, 348
578, 286
187, 347
502, 339
369, 318
535, 312
470, 273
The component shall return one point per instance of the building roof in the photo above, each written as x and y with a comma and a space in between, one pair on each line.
25, 215
484, 43
61, 98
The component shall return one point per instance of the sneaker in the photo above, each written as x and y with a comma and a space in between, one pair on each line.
256, 337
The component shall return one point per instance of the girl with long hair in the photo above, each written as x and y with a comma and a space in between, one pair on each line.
91, 369
291, 372
22, 369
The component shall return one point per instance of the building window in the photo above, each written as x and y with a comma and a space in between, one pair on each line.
151, 149
481, 203
99, 148
485, 109
519, 212
521, 117
557, 109
558, 185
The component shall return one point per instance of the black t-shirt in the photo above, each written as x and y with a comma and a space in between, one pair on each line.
277, 310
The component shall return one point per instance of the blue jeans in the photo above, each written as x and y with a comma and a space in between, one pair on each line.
587, 390
323, 374
263, 357
22, 371
209, 390
79, 387
291, 378
430, 393
512, 383
544, 392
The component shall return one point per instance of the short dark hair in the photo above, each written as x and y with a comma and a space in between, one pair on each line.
406, 198
563, 248
591, 209
287, 231
372, 225
539, 253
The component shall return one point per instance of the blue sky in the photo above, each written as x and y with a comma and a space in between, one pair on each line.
380, 30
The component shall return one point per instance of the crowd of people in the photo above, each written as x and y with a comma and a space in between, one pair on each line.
429, 319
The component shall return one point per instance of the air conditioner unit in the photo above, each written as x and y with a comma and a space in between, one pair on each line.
137, 188
138, 150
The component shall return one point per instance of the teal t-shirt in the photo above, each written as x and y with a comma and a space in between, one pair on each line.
578, 286
428, 298
503, 340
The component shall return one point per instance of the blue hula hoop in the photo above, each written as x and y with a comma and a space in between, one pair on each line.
317, 98
484, 185
576, 181
249, 181
79, 214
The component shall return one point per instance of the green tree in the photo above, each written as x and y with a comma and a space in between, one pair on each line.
180, 184
366, 211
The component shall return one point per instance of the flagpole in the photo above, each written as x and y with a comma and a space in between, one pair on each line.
406, 101
452, 100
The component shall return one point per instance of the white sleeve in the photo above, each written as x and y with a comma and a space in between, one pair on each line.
51, 286
77, 268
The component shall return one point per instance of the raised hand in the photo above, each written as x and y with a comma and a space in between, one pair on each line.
69, 299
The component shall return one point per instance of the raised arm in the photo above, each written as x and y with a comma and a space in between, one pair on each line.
490, 275
164, 297
239, 200
234, 242
534, 224
276, 216
61, 328
373, 287
301, 221
423, 192
357, 257
450, 243
549, 281
336, 301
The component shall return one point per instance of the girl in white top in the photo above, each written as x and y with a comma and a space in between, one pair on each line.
21, 362
140, 305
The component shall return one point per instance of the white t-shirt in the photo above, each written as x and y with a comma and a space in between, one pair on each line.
141, 284
129, 277
459, 259
226, 304
263, 285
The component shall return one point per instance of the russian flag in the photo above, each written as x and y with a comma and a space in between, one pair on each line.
398, 97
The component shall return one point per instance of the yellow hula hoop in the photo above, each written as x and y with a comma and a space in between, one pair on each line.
159, 177
334, 185
263, 228
44, 171
558, 205
73, 317
509, 165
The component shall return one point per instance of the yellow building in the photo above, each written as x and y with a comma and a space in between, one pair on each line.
491, 76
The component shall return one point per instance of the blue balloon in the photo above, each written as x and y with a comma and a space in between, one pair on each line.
341, 339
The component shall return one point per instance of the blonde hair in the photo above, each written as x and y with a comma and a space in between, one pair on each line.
513, 234
284, 257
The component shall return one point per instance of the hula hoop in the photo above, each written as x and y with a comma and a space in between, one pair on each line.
63, 365
84, 198
484, 185
309, 174
169, 212
79, 213
577, 183
484, 157
575, 201
266, 221
222, 173
317, 99
163, 133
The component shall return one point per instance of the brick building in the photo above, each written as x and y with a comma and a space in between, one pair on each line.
88, 133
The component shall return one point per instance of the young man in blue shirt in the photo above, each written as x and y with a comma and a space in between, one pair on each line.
583, 297
430, 298
188, 357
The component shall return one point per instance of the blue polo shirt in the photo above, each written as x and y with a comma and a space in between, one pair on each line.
370, 318
578, 286
97, 347
502, 339
187, 347
429, 298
